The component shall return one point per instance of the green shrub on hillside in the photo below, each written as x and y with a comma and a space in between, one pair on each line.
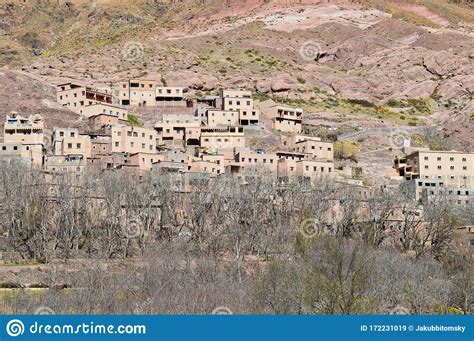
134, 121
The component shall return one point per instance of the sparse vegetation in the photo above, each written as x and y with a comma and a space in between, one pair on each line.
301, 80
134, 121
346, 150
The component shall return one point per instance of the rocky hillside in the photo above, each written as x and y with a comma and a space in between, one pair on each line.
363, 67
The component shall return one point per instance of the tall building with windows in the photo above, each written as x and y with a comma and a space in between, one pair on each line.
434, 173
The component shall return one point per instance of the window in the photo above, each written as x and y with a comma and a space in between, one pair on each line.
451, 158
452, 167
129, 133
117, 144
69, 146
61, 133
73, 134
464, 159
439, 158
464, 167
426, 167
439, 167
426, 158
78, 146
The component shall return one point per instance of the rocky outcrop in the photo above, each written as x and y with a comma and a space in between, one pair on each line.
283, 83
191, 80
443, 63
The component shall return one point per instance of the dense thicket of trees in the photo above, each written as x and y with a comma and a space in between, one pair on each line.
255, 247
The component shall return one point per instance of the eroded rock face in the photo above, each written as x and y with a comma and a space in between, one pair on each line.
191, 80
443, 63
452, 90
283, 83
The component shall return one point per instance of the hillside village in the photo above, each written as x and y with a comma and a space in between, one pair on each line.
211, 141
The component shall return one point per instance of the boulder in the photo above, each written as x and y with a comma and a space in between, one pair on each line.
280, 85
